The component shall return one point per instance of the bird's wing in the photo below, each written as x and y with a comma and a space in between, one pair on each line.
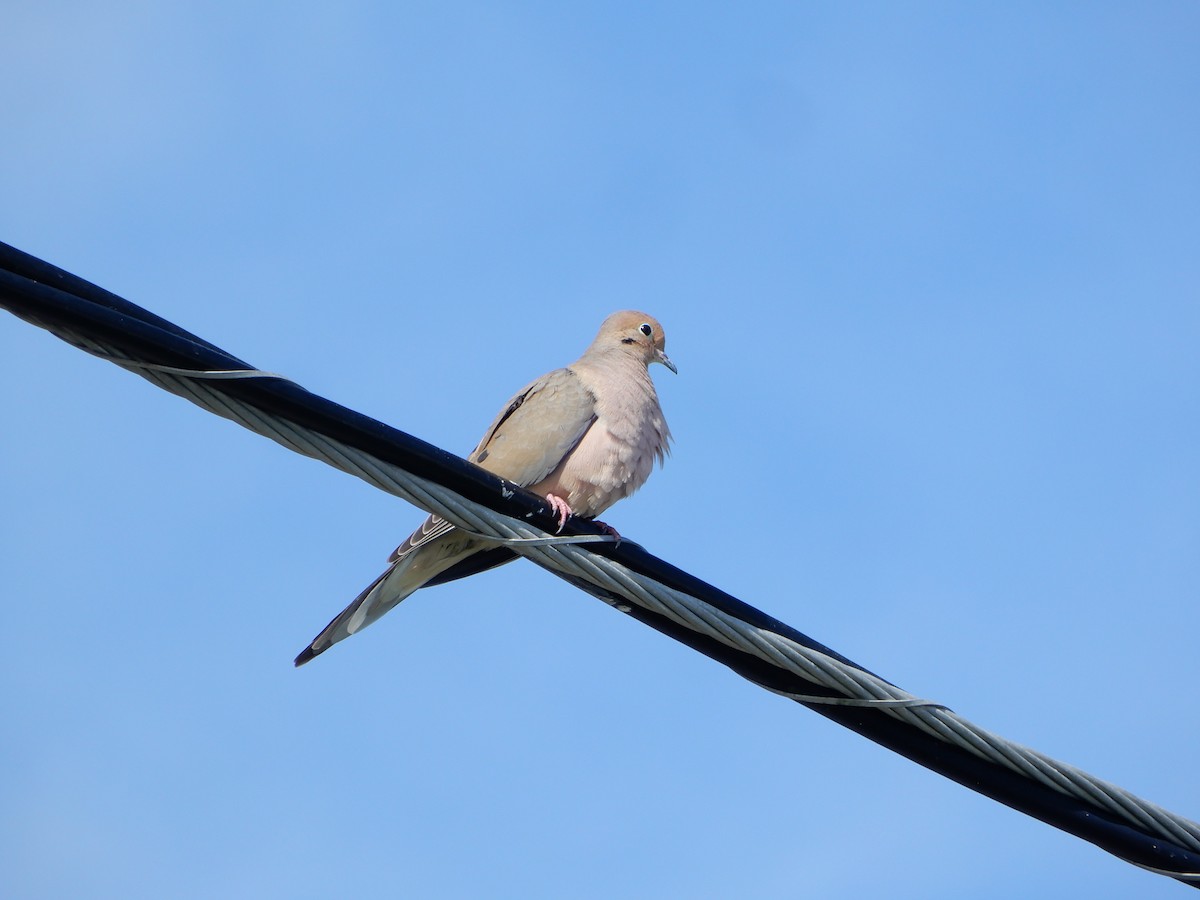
538, 428
534, 432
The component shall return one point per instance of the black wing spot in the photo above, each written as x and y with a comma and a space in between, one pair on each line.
512, 408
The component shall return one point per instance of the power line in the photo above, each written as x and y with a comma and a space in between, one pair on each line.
670, 600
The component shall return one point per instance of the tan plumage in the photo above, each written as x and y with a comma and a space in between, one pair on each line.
584, 437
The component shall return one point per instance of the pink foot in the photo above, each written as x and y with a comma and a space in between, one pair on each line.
559, 508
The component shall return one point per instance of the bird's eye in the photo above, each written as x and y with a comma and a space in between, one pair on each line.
645, 329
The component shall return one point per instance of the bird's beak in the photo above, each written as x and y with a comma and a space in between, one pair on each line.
661, 357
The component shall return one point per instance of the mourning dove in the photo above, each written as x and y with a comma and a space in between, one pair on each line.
583, 437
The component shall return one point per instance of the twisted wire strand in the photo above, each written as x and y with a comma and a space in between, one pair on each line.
570, 560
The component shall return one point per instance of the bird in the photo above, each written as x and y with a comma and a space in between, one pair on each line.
583, 437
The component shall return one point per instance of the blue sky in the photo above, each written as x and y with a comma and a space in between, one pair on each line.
930, 275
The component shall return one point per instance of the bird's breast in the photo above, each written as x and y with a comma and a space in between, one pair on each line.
616, 455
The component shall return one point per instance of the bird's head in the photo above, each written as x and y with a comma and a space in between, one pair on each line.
636, 333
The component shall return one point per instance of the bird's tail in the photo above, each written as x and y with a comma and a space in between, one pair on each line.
407, 573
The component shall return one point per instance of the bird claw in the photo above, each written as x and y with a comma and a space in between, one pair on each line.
560, 509
608, 529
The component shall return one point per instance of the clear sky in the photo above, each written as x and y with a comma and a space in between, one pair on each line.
931, 276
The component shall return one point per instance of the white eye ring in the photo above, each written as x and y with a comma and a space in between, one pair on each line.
645, 329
